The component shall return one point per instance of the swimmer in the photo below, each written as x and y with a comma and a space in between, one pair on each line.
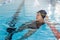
34, 25
31, 26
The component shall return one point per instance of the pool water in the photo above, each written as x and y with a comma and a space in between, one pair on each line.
27, 14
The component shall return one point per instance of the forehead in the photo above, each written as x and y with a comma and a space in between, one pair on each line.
38, 13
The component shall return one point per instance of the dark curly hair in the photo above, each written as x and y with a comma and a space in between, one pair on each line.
43, 13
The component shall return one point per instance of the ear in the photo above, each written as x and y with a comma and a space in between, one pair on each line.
46, 16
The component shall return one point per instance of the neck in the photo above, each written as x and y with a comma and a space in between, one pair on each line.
40, 21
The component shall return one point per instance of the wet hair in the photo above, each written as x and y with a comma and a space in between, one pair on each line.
43, 13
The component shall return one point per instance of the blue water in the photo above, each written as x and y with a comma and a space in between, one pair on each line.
28, 13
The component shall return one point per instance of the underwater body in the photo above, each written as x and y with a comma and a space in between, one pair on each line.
27, 13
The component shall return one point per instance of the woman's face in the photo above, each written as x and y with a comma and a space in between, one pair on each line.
39, 17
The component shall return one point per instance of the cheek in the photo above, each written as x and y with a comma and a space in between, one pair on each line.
37, 17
